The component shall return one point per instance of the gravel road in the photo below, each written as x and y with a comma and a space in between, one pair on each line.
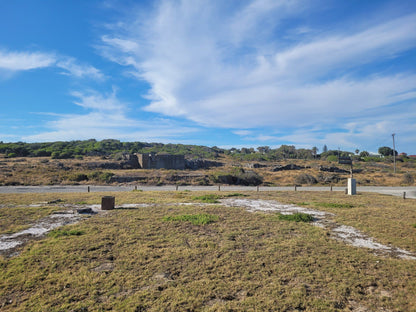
396, 190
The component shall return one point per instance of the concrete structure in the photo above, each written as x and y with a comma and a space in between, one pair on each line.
352, 186
154, 161
108, 202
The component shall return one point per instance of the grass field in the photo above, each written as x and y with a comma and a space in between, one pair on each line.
204, 256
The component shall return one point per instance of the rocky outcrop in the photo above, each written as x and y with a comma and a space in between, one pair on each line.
288, 167
255, 165
333, 169
195, 164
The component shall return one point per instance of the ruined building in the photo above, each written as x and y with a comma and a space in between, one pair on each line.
154, 161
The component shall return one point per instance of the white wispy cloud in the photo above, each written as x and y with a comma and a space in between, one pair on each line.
98, 101
16, 61
75, 69
106, 117
230, 66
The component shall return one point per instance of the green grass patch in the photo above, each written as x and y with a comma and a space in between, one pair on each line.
297, 217
198, 219
235, 195
209, 198
58, 233
334, 205
301, 204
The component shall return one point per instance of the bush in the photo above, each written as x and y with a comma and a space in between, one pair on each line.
332, 158
237, 176
78, 177
305, 178
408, 178
100, 176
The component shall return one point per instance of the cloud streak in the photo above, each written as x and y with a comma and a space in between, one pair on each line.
19, 61
12, 62
220, 66
107, 117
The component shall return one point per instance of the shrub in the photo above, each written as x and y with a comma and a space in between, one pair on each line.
100, 176
332, 158
238, 176
77, 177
305, 178
408, 178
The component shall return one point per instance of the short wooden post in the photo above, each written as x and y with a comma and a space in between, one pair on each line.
177, 187
331, 188
135, 187
346, 191
88, 189
404, 195
108, 202
296, 188
257, 188
219, 188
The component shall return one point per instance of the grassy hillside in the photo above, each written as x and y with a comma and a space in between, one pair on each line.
92, 170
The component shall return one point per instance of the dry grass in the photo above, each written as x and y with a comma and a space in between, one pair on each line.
45, 171
134, 260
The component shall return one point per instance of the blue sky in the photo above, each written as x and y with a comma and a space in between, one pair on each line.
225, 73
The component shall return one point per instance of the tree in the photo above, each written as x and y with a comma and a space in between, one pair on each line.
314, 151
263, 149
364, 154
325, 149
357, 151
385, 151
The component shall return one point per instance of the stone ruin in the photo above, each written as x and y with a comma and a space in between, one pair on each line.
162, 161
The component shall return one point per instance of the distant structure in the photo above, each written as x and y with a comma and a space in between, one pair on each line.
163, 161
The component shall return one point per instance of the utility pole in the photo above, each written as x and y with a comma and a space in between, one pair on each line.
394, 153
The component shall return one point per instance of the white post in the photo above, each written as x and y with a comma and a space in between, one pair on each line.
352, 186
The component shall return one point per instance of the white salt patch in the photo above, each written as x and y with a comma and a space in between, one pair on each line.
9, 245
262, 205
9, 241
133, 206
347, 234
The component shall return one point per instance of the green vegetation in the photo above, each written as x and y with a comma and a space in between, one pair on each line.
134, 260
297, 217
59, 232
209, 198
334, 205
237, 176
78, 149
198, 219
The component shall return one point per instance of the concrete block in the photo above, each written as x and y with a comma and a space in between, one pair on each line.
108, 202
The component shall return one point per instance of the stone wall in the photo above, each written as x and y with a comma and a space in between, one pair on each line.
154, 161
